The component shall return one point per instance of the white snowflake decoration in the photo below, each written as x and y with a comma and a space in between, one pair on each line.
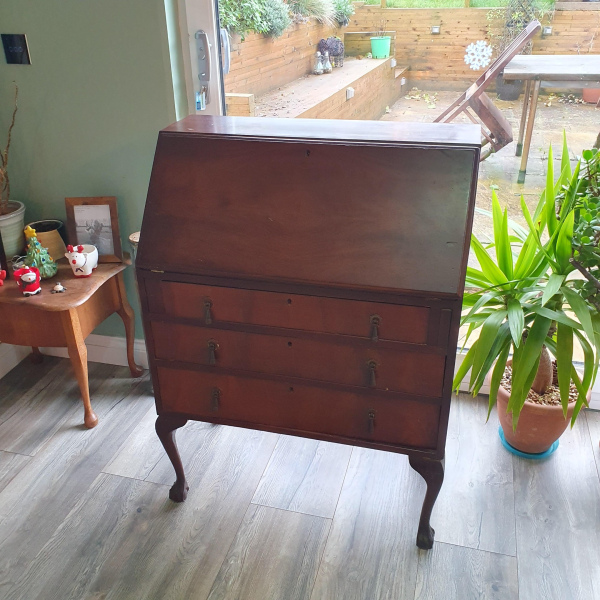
478, 55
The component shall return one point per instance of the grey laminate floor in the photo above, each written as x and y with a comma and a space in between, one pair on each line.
85, 515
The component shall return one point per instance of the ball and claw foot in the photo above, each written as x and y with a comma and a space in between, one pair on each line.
179, 491
425, 538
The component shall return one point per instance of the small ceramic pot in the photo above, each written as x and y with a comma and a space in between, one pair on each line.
83, 259
11, 229
49, 233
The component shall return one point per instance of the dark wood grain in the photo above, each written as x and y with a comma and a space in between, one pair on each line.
79, 289
393, 370
304, 476
275, 555
419, 235
292, 311
327, 130
432, 471
352, 231
298, 408
166, 425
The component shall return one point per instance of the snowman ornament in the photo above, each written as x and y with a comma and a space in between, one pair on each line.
28, 280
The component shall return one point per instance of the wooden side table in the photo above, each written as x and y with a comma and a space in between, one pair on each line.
66, 319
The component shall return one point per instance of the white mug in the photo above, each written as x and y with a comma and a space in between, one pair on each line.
83, 259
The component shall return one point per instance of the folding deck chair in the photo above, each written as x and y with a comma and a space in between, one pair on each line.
496, 130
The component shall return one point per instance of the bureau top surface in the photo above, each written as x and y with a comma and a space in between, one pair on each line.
365, 205
328, 129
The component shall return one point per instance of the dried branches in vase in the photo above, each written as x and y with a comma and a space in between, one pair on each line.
4, 181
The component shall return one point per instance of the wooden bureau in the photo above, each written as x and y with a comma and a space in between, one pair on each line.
305, 277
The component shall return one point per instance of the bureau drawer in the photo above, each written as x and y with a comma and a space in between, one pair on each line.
358, 365
214, 305
258, 403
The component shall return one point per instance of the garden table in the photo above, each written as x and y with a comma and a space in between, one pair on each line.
573, 71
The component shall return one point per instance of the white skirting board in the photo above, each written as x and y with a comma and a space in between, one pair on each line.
107, 349
100, 348
11, 356
112, 351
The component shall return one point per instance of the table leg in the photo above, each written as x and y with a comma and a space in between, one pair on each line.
78, 355
165, 429
529, 130
432, 471
36, 356
126, 313
526, 98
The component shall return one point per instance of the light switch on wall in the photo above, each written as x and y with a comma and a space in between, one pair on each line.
15, 48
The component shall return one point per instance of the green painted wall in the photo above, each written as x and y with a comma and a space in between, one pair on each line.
90, 107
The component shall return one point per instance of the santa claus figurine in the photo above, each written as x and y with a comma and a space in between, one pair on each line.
28, 280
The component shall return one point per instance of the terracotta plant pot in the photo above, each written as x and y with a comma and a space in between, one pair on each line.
539, 425
49, 235
591, 95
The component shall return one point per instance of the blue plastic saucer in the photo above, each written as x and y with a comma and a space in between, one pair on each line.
526, 454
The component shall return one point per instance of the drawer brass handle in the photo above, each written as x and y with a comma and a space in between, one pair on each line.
207, 311
212, 348
372, 368
375, 323
371, 416
215, 399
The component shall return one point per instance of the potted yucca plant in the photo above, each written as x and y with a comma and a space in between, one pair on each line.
524, 301
12, 213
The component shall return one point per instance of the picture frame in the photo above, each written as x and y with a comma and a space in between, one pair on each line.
94, 220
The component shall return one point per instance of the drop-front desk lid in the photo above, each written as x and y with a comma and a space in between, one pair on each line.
355, 204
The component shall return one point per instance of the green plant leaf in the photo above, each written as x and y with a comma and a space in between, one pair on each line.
554, 282
564, 243
588, 362
555, 315
581, 399
476, 278
524, 360
565, 163
489, 333
485, 298
550, 196
489, 268
497, 376
535, 233
501, 241
464, 367
516, 321
502, 338
564, 362
580, 308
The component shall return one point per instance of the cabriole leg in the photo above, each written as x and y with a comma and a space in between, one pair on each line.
432, 471
165, 429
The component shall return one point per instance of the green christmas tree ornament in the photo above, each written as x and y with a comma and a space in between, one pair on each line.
37, 256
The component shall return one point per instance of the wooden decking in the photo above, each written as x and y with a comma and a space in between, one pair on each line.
375, 83
85, 514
